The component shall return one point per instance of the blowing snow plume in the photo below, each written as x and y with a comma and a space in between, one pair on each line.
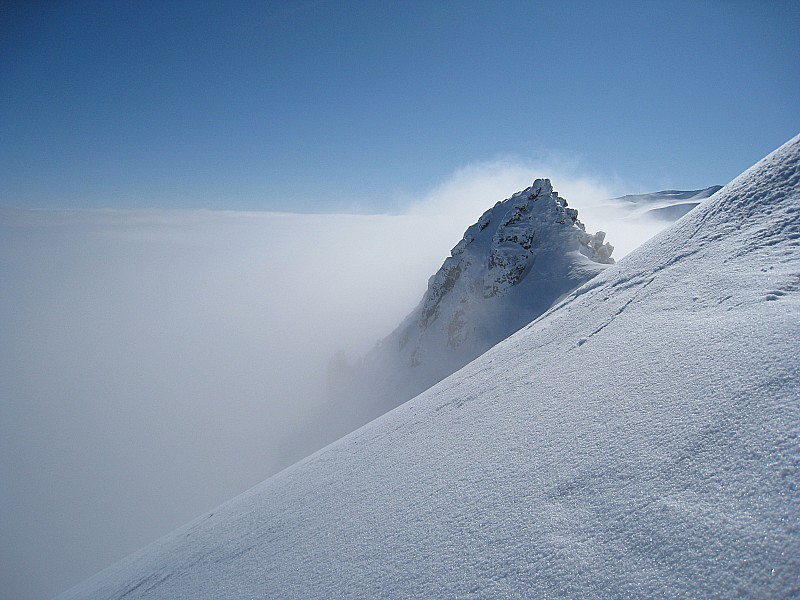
638, 440
522, 256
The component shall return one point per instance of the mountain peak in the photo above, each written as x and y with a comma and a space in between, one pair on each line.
521, 256
502, 248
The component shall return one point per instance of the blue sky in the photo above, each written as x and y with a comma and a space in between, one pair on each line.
331, 106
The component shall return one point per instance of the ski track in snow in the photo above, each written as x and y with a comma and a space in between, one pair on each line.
658, 458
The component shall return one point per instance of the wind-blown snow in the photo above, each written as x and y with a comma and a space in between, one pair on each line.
154, 364
667, 197
668, 205
641, 439
632, 220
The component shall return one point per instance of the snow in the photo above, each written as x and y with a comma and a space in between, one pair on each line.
672, 212
640, 439
668, 197
520, 257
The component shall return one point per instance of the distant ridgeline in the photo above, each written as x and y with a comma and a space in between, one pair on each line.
521, 257
667, 205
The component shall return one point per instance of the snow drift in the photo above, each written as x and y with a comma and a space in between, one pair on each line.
640, 439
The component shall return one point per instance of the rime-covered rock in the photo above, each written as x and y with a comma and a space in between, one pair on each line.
520, 257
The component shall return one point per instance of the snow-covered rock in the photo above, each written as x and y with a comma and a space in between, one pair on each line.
520, 257
639, 440
494, 257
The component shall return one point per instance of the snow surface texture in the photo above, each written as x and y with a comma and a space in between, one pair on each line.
515, 262
639, 440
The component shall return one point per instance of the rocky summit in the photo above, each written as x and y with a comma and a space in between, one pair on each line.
522, 256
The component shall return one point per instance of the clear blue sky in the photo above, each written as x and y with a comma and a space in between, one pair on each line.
322, 106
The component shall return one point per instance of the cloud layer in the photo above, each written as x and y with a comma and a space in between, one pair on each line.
153, 363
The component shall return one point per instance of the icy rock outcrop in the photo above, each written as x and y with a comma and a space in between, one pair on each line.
520, 257
496, 260
593, 247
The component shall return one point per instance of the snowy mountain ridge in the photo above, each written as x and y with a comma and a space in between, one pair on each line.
638, 440
669, 196
666, 205
520, 257
519, 231
492, 260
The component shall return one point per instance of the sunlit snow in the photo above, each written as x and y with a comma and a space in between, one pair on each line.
638, 440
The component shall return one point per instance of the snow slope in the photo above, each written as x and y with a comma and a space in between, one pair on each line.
639, 440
